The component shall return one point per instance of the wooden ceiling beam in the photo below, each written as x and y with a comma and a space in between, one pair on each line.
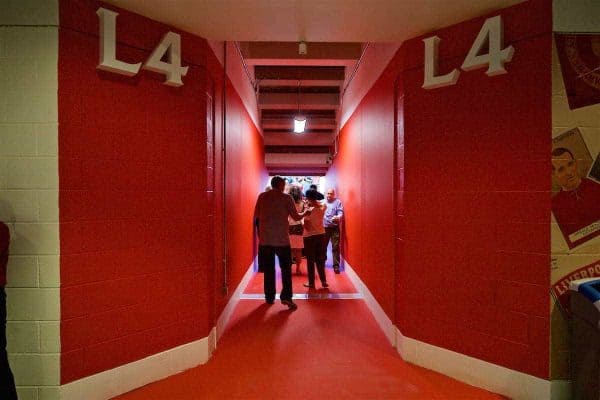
316, 123
291, 170
295, 139
303, 83
325, 101
299, 73
286, 53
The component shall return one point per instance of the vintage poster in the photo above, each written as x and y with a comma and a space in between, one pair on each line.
576, 197
575, 171
580, 65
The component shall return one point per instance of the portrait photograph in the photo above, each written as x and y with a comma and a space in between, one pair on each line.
576, 197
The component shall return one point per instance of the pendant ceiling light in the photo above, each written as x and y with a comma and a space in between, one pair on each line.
299, 124
299, 120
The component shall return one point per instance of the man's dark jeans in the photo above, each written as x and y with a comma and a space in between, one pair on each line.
7, 382
284, 254
333, 234
316, 253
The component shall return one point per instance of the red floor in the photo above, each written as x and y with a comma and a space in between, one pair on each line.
328, 348
338, 283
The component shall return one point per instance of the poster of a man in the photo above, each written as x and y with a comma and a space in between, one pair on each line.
576, 205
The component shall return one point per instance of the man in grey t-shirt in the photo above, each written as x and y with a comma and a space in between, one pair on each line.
271, 211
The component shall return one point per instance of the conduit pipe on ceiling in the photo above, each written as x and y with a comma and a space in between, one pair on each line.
237, 47
254, 83
225, 287
350, 79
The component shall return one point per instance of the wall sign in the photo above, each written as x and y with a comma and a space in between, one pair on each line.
491, 34
170, 45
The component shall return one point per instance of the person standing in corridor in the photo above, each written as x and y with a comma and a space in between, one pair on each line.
272, 210
296, 228
314, 240
7, 381
331, 222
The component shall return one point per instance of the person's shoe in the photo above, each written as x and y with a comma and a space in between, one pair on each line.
308, 285
290, 304
325, 284
336, 270
270, 301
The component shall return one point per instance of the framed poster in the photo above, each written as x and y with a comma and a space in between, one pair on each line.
576, 197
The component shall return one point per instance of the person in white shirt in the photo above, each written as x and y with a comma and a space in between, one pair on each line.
296, 228
314, 239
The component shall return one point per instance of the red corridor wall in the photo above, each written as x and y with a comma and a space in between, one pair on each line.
139, 209
477, 197
473, 195
363, 176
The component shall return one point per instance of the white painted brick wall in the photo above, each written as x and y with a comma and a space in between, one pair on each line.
29, 191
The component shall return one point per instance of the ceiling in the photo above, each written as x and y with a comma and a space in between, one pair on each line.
311, 20
289, 84
336, 33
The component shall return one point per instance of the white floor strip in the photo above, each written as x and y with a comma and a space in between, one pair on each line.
306, 296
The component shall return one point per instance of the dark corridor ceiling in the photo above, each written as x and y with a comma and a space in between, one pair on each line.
288, 84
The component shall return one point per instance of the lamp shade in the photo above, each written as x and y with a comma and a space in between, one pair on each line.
299, 124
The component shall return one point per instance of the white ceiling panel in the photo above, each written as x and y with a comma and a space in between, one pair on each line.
311, 20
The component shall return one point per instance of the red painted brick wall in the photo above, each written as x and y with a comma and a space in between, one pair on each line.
246, 174
139, 214
477, 197
363, 176
345, 175
473, 195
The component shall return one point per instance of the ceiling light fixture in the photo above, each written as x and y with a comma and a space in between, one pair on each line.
302, 48
299, 120
299, 124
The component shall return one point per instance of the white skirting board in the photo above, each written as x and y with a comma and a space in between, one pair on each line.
108, 384
235, 298
514, 384
381, 317
492, 377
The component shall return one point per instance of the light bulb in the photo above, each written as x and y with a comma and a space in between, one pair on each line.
299, 124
